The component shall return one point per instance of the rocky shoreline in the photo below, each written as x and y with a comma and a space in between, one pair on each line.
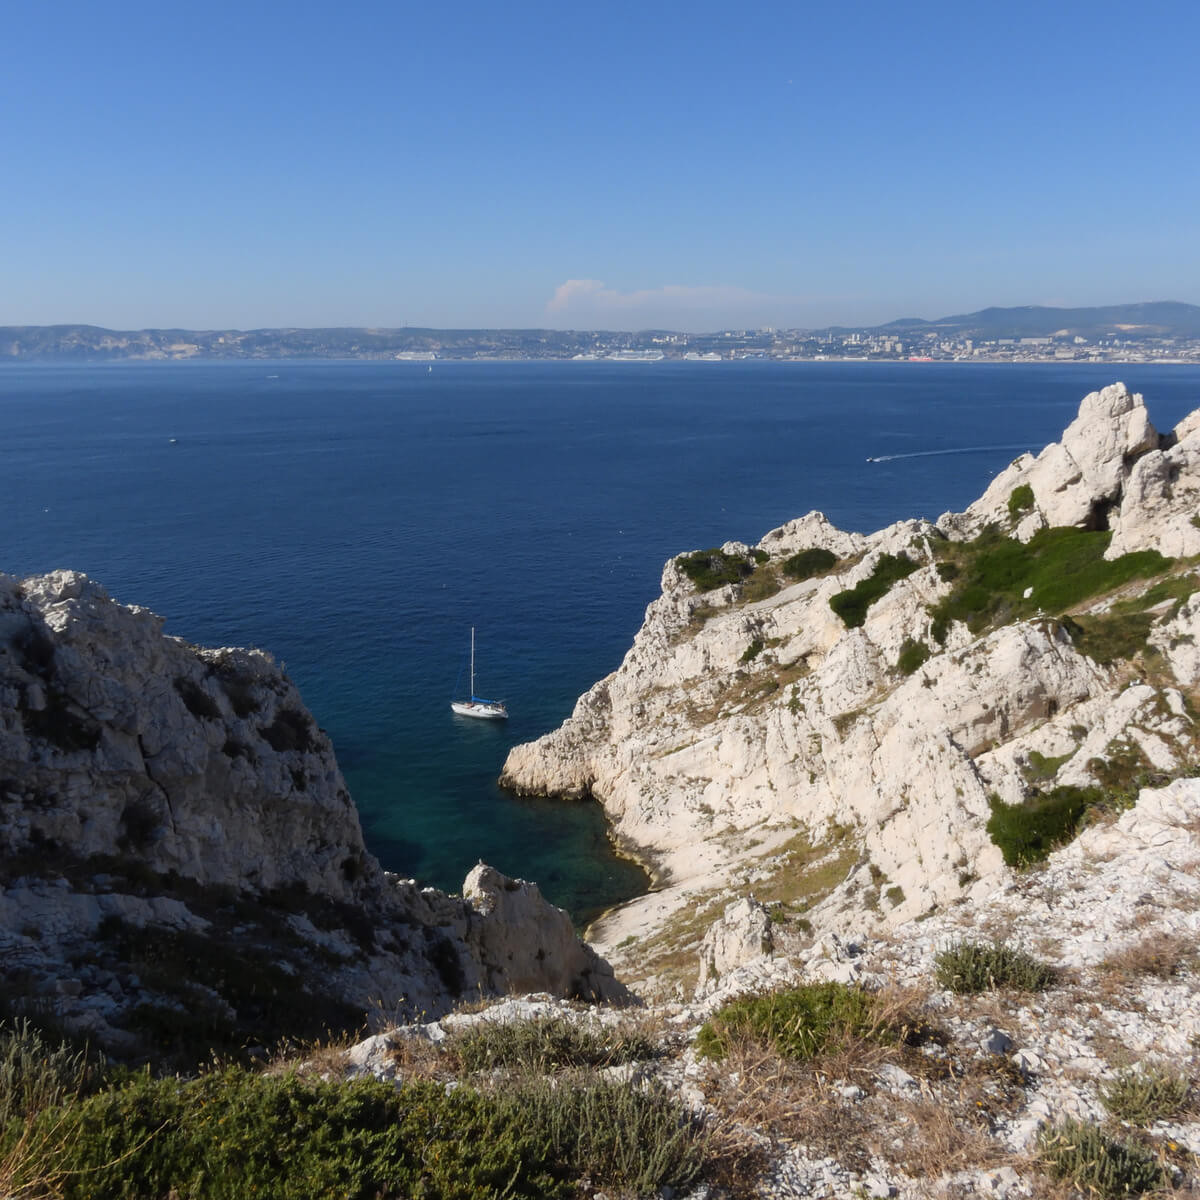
750, 717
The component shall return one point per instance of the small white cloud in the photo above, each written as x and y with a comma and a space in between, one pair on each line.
672, 305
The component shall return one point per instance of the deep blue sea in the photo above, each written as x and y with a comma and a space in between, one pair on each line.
356, 519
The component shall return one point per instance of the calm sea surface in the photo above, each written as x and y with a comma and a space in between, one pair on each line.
356, 519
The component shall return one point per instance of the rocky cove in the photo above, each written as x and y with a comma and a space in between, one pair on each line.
845, 757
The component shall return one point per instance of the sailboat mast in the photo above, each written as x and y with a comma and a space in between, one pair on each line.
472, 662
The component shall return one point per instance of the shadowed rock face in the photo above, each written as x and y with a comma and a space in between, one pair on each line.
166, 811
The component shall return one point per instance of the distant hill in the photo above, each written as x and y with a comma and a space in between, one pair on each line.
1160, 318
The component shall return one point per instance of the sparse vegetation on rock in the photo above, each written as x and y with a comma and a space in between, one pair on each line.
852, 604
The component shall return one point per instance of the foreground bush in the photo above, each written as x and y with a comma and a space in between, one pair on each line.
800, 1023
1077, 1152
231, 1134
971, 967
1145, 1094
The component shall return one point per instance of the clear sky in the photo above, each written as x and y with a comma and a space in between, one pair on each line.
620, 165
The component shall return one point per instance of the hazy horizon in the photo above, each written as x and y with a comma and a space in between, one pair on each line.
630, 168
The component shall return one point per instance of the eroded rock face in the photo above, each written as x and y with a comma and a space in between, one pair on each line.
179, 807
730, 724
740, 936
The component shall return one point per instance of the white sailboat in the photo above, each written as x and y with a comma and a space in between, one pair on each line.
476, 706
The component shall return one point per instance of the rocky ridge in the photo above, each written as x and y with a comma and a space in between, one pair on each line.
183, 863
753, 740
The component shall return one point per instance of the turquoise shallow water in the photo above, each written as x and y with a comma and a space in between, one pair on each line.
357, 519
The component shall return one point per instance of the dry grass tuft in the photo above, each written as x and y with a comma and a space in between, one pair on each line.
1161, 955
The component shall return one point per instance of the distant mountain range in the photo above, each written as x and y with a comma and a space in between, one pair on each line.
90, 343
1161, 318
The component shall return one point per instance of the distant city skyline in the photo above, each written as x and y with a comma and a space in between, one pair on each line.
626, 168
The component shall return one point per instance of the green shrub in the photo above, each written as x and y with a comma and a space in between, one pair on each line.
806, 563
1042, 766
1062, 566
752, 651
1077, 1151
1027, 833
971, 967
230, 1134
1108, 637
1145, 1094
541, 1046
912, 655
1021, 500
709, 569
800, 1023
852, 604
634, 1140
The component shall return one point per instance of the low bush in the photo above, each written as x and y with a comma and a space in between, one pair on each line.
807, 563
1080, 1154
545, 1045
709, 569
230, 1134
1019, 501
912, 655
971, 967
638, 1141
752, 651
1145, 1094
799, 1023
1027, 833
852, 604
36, 1074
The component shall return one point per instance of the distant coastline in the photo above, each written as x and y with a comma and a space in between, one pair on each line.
1159, 332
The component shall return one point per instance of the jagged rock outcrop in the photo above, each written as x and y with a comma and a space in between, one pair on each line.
740, 936
166, 811
735, 726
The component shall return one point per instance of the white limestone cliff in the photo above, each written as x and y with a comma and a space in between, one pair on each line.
150, 789
733, 726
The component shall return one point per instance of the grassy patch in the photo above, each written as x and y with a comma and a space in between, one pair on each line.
1027, 833
1042, 767
1109, 637
542, 1046
1178, 588
1060, 567
852, 604
972, 967
799, 1023
1145, 1094
806, 564
1080, 1154
761, 584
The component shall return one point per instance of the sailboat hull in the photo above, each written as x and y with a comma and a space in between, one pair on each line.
487, 710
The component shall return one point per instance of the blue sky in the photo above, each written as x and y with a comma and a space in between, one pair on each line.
580, 166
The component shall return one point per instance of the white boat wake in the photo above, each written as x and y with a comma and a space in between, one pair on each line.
933, 453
